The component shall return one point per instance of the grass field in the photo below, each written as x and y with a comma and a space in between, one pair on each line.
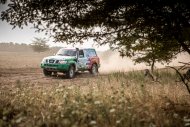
118, 99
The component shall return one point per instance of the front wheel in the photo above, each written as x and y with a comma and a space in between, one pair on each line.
71, 73
94, 69
47, 73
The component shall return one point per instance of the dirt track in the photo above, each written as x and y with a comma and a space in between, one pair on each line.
23, 68
35, 76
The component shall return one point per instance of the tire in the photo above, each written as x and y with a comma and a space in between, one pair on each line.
94, 69
71, 73
47, 73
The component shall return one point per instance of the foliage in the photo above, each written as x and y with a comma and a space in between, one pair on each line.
39, 45
115, 100
3, 1
131, 26
152, 52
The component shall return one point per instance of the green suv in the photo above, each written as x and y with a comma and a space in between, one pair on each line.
70, 61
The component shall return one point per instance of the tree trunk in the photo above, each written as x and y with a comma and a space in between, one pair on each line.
152, 65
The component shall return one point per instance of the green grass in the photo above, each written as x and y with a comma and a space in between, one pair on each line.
113, 100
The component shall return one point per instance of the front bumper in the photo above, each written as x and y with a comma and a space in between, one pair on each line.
55, 67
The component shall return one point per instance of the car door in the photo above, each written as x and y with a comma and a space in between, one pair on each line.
82, 60
93, 56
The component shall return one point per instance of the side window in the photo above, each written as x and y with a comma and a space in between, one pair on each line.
91, 52
81, 54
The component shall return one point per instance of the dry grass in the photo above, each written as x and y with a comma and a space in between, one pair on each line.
21, 59
113, 100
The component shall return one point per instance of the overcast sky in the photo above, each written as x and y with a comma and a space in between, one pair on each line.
26, 35
7, 34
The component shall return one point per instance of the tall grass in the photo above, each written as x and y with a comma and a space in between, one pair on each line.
115, 100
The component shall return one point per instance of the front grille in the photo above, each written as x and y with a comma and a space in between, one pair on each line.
51, 61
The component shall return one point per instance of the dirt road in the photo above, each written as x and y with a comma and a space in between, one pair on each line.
35, 76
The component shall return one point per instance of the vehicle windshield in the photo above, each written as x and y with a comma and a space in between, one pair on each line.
66, 52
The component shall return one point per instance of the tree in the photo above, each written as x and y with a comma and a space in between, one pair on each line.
3, 1
153, 53
121, 23
39, 45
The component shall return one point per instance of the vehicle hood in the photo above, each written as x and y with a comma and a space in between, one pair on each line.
60, 57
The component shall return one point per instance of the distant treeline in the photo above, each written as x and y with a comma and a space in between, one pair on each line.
15, 47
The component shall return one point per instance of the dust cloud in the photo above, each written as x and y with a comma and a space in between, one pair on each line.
111, 62
12, 55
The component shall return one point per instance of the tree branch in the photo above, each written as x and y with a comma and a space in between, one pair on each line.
182, 78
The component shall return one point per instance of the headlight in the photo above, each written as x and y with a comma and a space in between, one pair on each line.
43, 61
62, 62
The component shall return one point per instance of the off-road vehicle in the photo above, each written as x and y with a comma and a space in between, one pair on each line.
70, 61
